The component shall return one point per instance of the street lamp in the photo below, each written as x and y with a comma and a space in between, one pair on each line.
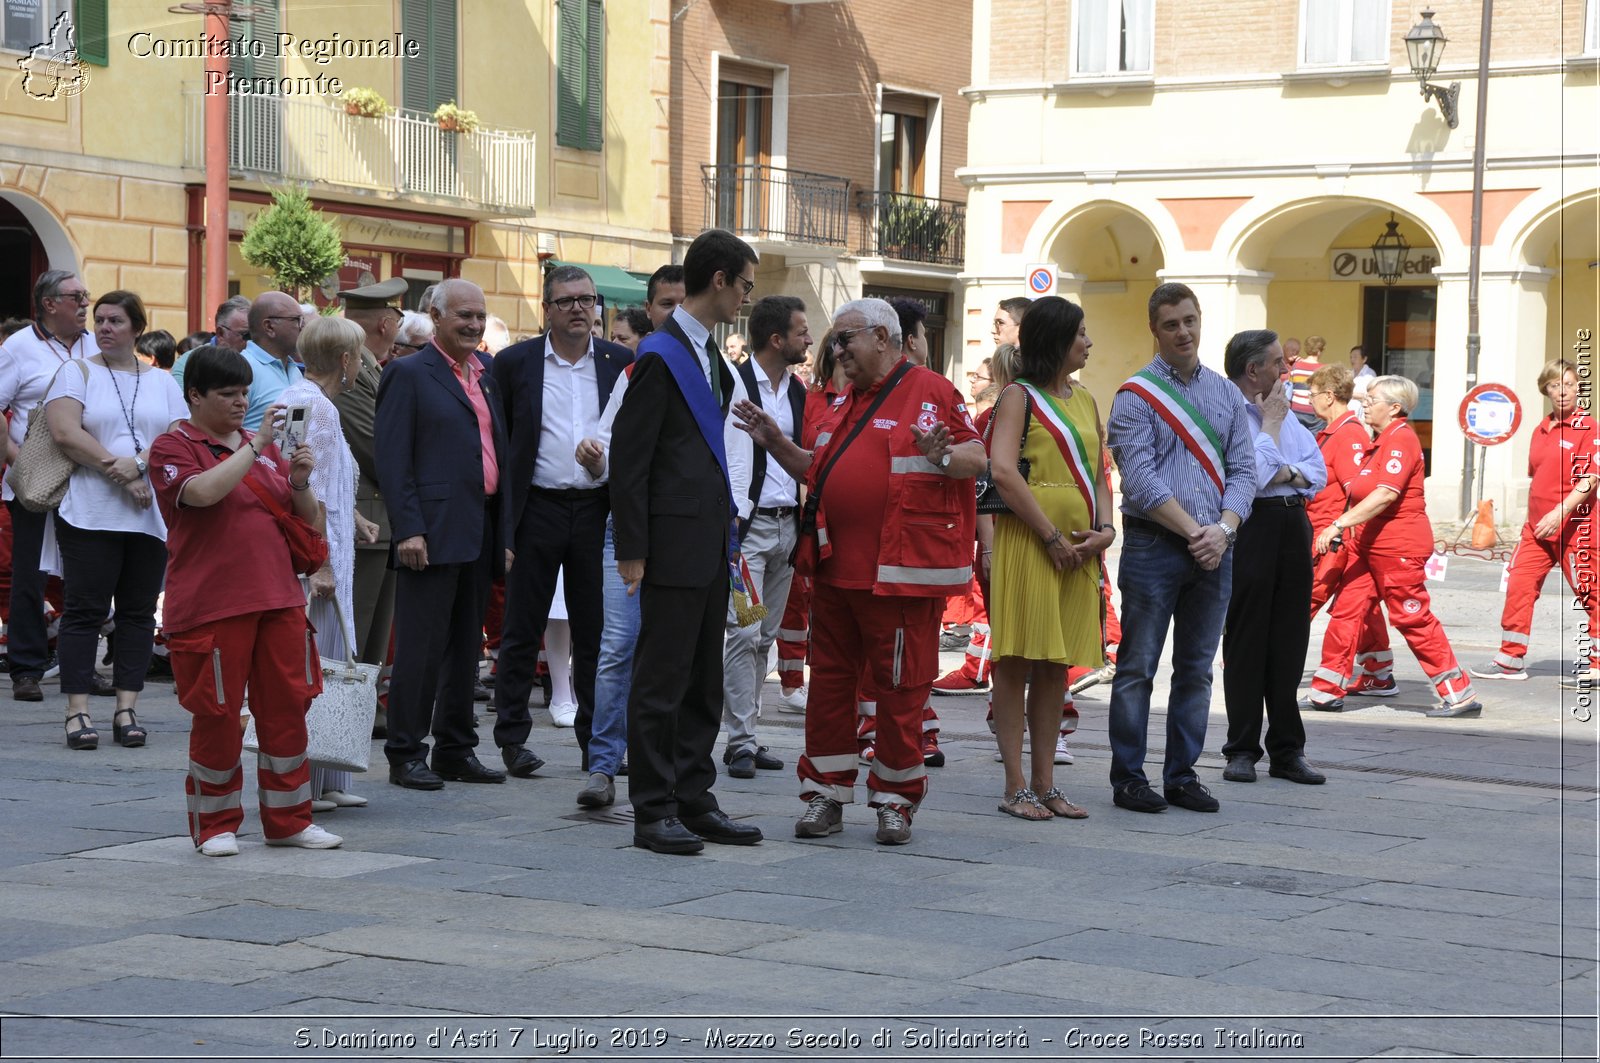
1424, 46
1390, 251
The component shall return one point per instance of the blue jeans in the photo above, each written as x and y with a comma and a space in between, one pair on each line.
608, 741
1161, 582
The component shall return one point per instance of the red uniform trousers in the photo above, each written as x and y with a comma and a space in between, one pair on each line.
274, 655
1575, 550
1374, 659
1402, 585
794, 635
887, 648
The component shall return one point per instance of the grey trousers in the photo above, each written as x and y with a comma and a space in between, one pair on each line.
767, 546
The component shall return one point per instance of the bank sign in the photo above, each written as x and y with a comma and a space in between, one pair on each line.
1360, 264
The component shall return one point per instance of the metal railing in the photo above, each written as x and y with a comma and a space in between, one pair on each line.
404, 153
766, 203
913, 228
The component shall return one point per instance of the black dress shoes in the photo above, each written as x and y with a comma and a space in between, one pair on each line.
1193, 796
415, 775
1241, 768
715, 826
666, 836
1137, 796
1295, 769
468, 769
520, 761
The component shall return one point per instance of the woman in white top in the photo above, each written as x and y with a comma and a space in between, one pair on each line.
104, 413
331, 350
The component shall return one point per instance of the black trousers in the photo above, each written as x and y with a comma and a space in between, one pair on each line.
438, 628
27, 640
558, 528
101, 567
675, 705
1267, 629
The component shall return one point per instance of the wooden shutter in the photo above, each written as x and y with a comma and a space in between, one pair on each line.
580, 74
254, 120
92, 22
430, 78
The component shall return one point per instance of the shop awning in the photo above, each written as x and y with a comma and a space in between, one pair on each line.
616, 285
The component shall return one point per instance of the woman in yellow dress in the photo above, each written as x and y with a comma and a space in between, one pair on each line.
1045, 605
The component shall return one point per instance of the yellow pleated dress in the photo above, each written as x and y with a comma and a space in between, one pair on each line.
1036, 612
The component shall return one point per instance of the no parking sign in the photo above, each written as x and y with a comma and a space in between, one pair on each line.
1040, 279
1490, 414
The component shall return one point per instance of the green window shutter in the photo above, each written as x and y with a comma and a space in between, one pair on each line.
262, 27
580, 74
430, 78
92, 22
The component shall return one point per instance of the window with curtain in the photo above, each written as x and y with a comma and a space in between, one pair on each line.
1113, 36
1591, 28
580, 74
902, 144
1344, 32
429, 79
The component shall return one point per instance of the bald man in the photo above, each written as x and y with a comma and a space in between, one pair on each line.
274, 332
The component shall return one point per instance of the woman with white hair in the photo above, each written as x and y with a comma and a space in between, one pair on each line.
415, 330
1392, 541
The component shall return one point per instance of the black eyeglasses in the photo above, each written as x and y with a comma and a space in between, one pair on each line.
567, 302
408, 346
81, 298
841, 340
297, 319
749, 286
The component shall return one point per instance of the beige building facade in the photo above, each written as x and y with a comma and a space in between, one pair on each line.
828, 135
102, 158
1257, 150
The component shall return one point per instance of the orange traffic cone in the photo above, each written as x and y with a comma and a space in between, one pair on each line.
1483, 532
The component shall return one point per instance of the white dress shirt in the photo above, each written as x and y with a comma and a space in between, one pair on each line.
779, 488
571, 412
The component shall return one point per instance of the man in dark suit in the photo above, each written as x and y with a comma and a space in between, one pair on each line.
374, 308
441, 446
554, 389
672, 508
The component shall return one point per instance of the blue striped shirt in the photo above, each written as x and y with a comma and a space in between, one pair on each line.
1156, 466
1296, 446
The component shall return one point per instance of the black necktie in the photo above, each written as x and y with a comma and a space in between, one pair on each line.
714, 358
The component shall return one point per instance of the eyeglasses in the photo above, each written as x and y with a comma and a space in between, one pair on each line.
841, 340
408, 347
81, 298
297, 319
975, 375
567, 302
749, 286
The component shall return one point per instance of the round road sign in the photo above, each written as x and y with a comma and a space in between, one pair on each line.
1490, 414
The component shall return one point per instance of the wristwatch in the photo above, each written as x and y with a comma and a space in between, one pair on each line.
140, 464
1230, 534
944, 462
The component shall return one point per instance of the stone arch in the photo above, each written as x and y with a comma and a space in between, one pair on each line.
1251, 235
58, 247
1071, 228
1538, 224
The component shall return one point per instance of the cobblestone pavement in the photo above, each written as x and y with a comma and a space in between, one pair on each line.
1437, 897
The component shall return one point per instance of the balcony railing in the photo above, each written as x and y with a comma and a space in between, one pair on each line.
913, 228
406, 154
766, 203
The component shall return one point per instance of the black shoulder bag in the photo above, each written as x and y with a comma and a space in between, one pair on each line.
989, 500
808, 515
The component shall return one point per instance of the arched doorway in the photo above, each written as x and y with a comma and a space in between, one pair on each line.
1108, 258
1325, 283
31, 241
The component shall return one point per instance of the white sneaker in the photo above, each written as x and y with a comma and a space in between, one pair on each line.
1063, 754
793, 701
219, 845
322, 804
563, 715
343, 800
313, 837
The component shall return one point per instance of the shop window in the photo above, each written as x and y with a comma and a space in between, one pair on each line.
1113, 36
580, 74
430, 78
1344, 32
24, 25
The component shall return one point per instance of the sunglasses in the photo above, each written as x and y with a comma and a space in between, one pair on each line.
841, 340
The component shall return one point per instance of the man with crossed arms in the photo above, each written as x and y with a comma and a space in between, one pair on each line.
1186, 451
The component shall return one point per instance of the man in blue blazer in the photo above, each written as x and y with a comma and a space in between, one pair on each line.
554, 389
441, 448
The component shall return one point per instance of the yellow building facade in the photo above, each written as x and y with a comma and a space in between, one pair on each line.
1256, 151
102, 154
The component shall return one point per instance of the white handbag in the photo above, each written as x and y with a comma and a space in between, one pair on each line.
339, 723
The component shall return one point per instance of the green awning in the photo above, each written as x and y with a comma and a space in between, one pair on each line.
617, 286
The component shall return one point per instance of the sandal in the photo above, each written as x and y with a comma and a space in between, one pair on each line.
1024, 804
1066, 809
131, 736
84, 737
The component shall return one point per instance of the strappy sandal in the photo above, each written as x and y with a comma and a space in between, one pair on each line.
1072, 810
1020, 803
131, 736
83, 737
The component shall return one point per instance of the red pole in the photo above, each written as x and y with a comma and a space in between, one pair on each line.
216, 143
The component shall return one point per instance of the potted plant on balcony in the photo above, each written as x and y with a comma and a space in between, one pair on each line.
913, 229
453, 119
365, 103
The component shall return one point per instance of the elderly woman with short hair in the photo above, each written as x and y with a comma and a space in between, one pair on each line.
1391, 542
413, 334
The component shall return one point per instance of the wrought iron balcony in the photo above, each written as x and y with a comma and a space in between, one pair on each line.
913, 228
766, 203
405, 154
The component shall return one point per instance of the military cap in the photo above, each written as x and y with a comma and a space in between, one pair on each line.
375, 296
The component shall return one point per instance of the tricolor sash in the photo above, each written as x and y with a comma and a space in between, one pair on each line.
1191, 426
1052, 415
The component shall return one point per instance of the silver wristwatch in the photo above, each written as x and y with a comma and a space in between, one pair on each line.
1229, 533
140, 464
